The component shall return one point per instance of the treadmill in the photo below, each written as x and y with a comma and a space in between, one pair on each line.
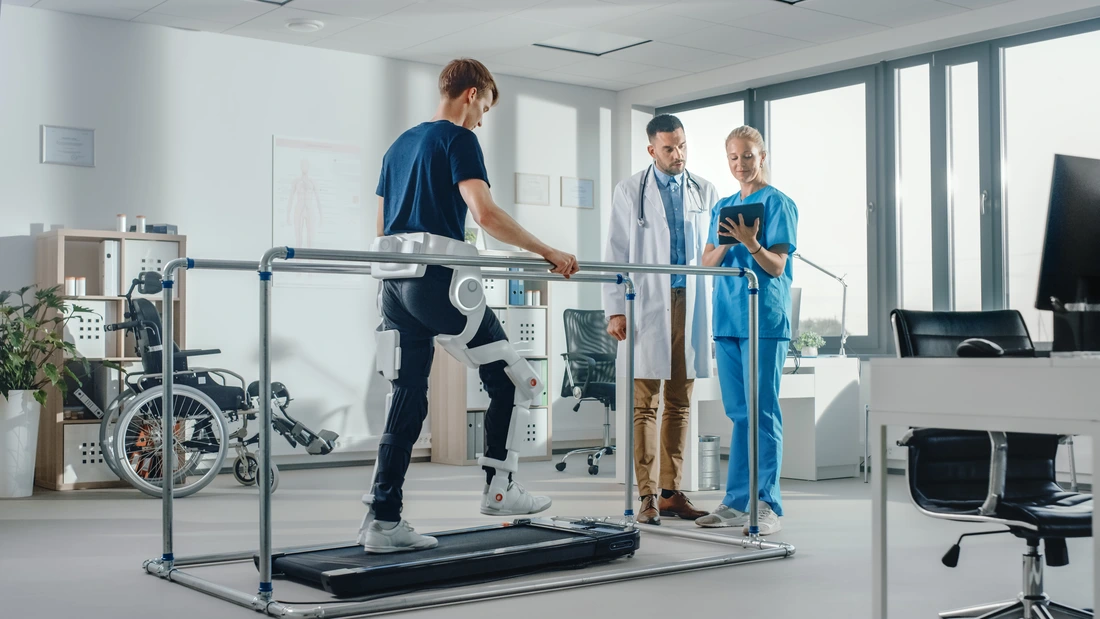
463, 556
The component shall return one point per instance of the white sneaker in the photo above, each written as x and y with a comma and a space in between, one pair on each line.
767, 521
514, 501
723, 516
382, 538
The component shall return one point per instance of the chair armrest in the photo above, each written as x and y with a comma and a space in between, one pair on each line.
576, 356
998, 468
197, 352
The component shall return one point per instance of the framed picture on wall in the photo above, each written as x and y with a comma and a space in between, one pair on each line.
578, 192
532, 189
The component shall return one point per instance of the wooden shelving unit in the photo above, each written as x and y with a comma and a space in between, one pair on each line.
69, 457
454, 396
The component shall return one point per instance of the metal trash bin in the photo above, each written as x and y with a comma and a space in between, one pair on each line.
710, 457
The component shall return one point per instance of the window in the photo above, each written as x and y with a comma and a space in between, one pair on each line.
706, 129
913, 201
964, 193
825, 173
1049, 107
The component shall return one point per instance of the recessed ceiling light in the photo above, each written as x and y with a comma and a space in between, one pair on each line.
304, 26
789, 1
591, 43
279, 2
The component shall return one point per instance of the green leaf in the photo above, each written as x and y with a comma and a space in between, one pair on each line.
40, 396
51, 373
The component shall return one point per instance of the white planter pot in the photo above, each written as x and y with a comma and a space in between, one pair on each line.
19, 415
809, 351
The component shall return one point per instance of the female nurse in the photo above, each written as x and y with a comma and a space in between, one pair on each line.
769, 258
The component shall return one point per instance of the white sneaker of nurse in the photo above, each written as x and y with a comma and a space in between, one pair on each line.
513, 501
384, 537
723, 516
766, 520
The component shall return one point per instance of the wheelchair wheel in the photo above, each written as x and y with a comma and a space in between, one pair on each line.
108, 427
247, 471
199, 441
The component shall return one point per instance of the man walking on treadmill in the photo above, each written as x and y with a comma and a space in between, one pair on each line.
430, 176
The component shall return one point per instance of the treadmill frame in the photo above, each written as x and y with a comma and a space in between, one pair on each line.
357, 262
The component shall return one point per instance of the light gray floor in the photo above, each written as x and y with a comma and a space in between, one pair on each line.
79, 553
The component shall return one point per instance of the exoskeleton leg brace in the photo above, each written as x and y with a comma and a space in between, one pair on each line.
467, 295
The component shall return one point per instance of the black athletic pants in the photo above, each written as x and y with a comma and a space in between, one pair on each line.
420, 309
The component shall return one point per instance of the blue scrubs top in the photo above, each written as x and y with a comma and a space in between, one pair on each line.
731, 318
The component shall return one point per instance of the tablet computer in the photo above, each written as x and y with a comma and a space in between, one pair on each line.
751, 213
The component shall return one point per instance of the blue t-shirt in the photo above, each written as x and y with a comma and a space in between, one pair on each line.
730, 309
420, 176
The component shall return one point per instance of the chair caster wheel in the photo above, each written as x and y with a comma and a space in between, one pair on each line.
560, 466
593, 470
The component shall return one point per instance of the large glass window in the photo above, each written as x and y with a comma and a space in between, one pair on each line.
825, 173
706, 129
914, 188
964, 191
1049, 107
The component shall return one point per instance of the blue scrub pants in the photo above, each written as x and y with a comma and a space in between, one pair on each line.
733, 362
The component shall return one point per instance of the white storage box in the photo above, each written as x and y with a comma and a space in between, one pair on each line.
496, 292
534, 435
85, 330
526, 330
476, 396
83, 458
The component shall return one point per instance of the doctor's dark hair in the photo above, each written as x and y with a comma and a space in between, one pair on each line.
463, 74
752, 136
664, 123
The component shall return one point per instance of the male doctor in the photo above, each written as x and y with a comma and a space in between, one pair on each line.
660, 216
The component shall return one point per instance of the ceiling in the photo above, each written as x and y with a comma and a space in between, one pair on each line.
687, 36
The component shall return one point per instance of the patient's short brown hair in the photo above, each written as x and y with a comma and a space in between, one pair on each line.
463, 74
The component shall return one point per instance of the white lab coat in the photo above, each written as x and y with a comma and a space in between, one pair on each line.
650, 244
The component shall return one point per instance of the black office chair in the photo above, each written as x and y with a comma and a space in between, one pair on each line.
995, 477
590, 374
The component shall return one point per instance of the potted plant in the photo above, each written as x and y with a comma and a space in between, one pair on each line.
808, 343
31, 334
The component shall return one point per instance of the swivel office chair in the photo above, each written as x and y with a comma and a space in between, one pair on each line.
995, 477
590, 374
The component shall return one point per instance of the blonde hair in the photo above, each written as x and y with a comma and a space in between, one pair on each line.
752, 136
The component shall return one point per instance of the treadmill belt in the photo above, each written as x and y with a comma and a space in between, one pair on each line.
462, 556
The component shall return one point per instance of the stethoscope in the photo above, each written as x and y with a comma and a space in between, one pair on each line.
688, 184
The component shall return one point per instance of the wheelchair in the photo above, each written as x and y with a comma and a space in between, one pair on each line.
205, 402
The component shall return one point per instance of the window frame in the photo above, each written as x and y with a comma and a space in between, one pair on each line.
880, 78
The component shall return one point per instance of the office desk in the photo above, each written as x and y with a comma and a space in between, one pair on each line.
1046, 396
821, 420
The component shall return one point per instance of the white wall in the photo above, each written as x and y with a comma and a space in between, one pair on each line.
184, 122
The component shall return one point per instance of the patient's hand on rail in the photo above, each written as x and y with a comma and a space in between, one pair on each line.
616, 327
565, 264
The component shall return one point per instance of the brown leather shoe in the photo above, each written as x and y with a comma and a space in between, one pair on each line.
649, 513
679, 505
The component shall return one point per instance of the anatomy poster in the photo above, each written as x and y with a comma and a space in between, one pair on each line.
317, 195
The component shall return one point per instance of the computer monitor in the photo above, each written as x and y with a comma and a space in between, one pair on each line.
1069, 273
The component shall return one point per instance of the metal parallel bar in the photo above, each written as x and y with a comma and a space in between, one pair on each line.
287, 253
754, 411
488, 261
436, 598
168, 456
714, 538
262, 600
629, 456
265, 587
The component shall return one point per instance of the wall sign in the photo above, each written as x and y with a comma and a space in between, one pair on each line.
68, 146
